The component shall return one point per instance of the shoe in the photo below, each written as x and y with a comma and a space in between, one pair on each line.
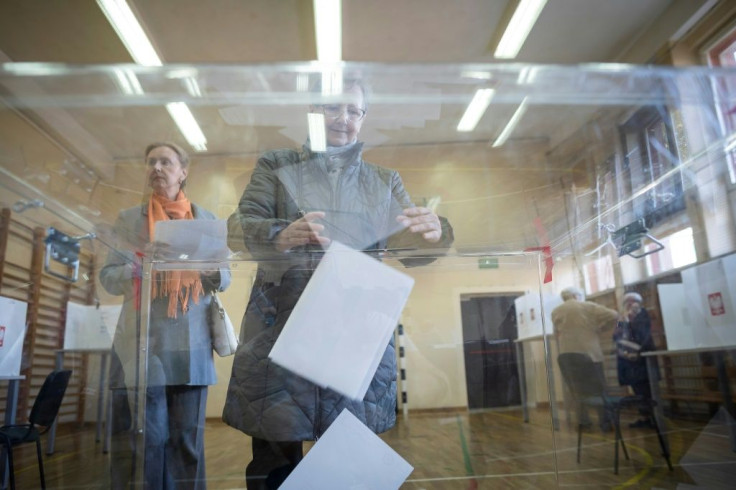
641, 424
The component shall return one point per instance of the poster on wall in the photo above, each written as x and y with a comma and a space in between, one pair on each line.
12, 333
90, 327
533, 314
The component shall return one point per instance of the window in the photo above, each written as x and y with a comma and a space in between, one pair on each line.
650, 155
598, 274
723, 53
679, 251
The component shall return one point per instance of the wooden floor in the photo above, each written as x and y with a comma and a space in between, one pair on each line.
490, 449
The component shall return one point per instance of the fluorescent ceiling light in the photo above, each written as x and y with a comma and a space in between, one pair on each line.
130, 32
527, 75
317, 137
34, 69
730, 143
475, 109
328, 30
183, 118
511, 124
519, 27
302, 82
128, 82
192, 87
332, 81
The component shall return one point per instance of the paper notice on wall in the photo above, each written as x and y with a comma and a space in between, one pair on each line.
12, 333
90, 327
530, 321
349, 456
675, 316
340, 327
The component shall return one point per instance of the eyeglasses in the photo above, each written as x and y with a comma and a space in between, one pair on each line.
335, 110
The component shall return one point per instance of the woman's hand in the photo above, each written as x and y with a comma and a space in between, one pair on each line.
303, 231
422, 220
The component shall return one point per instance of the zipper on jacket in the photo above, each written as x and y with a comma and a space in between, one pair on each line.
317, 430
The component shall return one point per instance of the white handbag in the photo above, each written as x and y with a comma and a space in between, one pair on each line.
224, 340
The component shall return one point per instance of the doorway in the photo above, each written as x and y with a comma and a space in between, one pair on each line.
489, 332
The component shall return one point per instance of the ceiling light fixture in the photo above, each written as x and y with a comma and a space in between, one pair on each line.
328, 30
511, 124
128, 82
317, 137
518, 28
475, 109
188, 126
730, 143
130, 32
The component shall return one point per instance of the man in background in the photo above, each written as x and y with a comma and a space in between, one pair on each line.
578, 327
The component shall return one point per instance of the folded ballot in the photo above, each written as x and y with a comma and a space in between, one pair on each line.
196, 240
349, 456
343, 321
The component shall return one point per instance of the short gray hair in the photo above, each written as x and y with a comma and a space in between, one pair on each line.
632, 297
572, 293
348, 83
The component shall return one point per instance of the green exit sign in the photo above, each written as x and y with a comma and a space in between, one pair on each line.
488, 263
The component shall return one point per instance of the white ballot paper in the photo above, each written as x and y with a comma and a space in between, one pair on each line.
191, 239
12, 333
339, 328
90, 327
349, 456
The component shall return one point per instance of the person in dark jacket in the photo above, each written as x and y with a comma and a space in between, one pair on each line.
296, 203
633, 337
180, 365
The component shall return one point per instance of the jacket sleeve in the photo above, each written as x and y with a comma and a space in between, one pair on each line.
116, 276
408, 240
605, 318
220, 281
254, 226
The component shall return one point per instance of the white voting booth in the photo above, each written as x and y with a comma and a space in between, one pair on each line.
699, 312
534, 323
12, 333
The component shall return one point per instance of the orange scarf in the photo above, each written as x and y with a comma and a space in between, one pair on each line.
178, 285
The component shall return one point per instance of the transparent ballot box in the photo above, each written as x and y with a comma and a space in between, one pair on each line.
434, 276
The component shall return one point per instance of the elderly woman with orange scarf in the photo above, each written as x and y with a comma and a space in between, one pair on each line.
180, 364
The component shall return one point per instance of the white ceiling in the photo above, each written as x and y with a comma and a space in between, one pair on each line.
409, 35
249, 31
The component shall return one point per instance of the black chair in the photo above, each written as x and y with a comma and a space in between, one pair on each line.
586, 383
44, 412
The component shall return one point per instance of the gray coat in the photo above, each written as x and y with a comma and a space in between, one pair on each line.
361, 202
180, 349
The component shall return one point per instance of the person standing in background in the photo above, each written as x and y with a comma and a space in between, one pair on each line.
578, 327
180, 363
634, 336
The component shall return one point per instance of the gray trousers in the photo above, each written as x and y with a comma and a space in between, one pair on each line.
173, 444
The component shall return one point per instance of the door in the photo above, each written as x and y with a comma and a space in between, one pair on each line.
489, 332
